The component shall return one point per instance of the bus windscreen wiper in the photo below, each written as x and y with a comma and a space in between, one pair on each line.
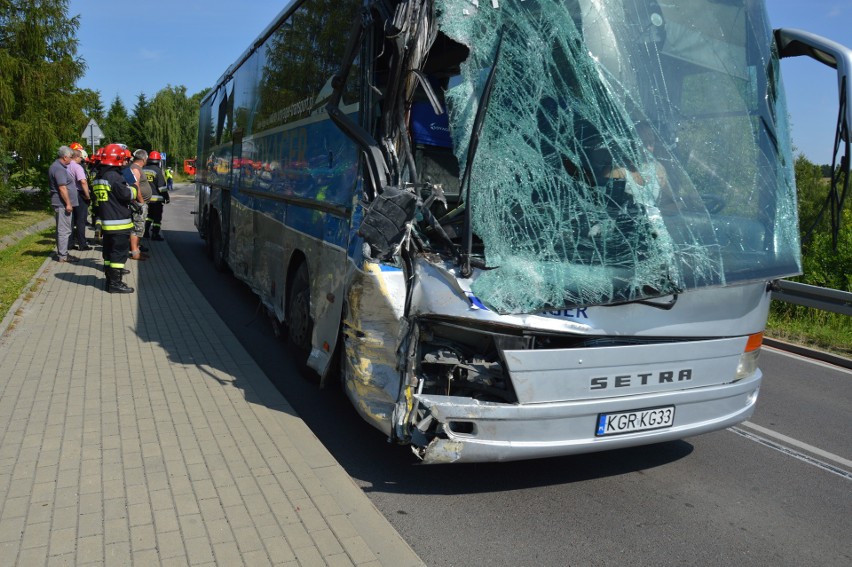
478, 122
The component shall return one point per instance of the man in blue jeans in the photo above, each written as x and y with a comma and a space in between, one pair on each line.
63, 199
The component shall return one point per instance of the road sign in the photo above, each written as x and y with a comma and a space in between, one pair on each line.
93, 134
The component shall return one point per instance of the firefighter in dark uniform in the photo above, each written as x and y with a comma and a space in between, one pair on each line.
94, 165
113, 196
159, 195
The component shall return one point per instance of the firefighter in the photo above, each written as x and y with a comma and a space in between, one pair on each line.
159, 195
94, 166
113, 196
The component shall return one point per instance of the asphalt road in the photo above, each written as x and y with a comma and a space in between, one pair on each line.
776, 490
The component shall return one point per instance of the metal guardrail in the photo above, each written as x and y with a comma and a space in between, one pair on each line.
826, 299
832, 300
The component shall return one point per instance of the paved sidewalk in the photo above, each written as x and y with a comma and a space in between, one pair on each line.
149, 436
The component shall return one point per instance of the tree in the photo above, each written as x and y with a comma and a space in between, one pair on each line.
811, 189
38, 71
173, 123
116, 126
822, 264
90, 102
139, 137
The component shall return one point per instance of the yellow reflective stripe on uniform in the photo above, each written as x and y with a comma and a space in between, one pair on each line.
132, 192
121, 224
116, 228
156, 198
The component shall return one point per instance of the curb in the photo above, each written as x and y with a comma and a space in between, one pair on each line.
11, 240
12, 314
16, 237
809, 352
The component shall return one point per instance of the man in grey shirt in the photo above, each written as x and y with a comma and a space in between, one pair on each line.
63, 199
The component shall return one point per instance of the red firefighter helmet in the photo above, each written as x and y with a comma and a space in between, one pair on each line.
154, 155
76, 146
115, 154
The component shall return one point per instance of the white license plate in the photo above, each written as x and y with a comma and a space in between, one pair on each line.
638, 420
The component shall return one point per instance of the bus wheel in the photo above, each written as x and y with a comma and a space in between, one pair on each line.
299, 324
208, 239
215, 250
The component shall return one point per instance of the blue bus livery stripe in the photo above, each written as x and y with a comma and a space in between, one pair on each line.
316, 224
475, 302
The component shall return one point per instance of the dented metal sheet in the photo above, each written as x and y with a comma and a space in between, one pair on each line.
371, 335
504, 432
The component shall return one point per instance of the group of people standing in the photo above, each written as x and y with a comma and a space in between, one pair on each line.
126, 193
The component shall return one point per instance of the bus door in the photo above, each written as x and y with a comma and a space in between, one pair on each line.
237, 207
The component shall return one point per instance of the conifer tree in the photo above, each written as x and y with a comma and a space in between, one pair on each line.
39, 67
92, 106
116, 125
139, 137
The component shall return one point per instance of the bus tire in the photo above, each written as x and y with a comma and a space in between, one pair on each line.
300, 326
215, 248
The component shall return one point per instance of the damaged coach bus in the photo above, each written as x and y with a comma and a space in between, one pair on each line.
514, 228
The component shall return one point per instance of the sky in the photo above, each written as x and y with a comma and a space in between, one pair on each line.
192, 42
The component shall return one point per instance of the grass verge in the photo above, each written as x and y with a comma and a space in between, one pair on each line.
811, 327
20, 262
11, 223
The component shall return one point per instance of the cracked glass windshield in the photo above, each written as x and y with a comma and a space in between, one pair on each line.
631, 149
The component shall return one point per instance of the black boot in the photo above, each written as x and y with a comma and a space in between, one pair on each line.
147, 232
107, 271
115, 283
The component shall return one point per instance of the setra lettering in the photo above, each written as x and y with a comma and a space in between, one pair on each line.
641, 379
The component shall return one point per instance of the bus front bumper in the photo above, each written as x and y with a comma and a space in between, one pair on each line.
473, 431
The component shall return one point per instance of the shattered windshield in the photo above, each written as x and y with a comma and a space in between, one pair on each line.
631, 149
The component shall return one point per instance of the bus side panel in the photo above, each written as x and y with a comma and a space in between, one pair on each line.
296, 207
319, 239
240, 233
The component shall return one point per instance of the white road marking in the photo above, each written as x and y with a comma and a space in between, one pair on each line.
847, 474
806, 359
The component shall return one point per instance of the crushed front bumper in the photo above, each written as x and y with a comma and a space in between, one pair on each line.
507, 432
